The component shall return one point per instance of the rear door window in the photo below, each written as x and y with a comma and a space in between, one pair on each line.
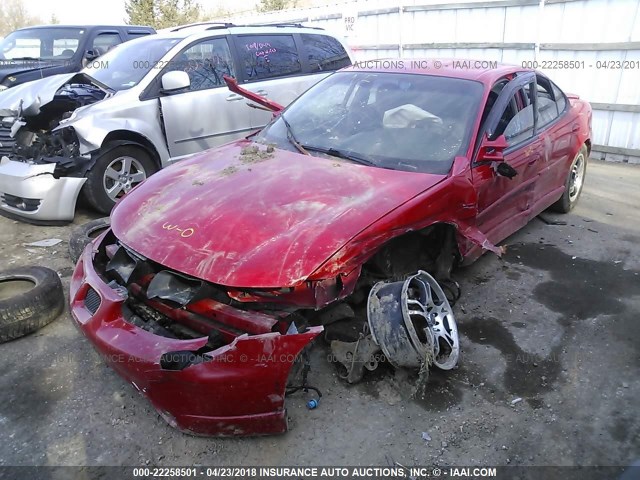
267, 56
547, 108
325, 53
561, 100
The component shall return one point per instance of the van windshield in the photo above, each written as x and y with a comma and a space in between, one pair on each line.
126, 65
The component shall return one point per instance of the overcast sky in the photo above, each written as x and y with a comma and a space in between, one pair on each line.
106, 11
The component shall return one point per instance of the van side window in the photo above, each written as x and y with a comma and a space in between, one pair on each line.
325, 53
206, 62
268, 56
105, 42
65, 47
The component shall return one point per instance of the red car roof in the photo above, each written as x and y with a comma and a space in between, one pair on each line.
485, 71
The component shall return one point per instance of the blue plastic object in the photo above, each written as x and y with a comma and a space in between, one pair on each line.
311, 404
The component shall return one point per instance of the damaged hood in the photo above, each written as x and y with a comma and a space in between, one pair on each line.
243, 219
28, 93
23, 71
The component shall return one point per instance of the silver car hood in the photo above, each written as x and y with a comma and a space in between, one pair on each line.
30, 94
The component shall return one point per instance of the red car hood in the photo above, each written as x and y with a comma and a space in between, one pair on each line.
243, 219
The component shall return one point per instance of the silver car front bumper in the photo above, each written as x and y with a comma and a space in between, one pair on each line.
31, 191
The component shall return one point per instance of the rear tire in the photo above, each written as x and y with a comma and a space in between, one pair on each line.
30, 298
115, 173
573, 184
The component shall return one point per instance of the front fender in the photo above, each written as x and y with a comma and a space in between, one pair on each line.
92, 130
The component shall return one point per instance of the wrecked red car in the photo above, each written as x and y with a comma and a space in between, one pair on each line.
344, 216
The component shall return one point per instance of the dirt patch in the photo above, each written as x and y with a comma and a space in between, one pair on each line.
253, 154
230, 170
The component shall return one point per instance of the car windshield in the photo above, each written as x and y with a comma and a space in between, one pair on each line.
126, 65
399, 121
51, 44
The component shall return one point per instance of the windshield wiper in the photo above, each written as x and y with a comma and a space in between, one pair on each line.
334, 152
291, 137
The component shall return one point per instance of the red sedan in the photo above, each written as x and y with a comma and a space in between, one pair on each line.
346, 214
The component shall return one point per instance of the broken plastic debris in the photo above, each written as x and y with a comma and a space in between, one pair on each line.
516, 401
48, 242
426, 437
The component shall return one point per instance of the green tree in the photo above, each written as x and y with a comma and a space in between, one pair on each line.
140, 12
272, 5
162, 13
217, 13
14, 15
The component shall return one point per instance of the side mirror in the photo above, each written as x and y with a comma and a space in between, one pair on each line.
492, 151
174, 81
91, 55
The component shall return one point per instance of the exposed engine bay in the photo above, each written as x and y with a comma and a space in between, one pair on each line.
35, 133
387, 313
43, 162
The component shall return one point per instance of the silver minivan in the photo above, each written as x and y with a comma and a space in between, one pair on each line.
144, 105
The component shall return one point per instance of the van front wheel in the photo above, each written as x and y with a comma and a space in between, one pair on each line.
114, 174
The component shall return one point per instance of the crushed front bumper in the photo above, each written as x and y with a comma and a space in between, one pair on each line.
32, 192
240, 391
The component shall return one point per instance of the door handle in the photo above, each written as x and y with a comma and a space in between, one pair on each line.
262, 92
575, 127
234, 97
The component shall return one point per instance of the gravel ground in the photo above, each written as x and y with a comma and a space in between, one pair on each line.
547, 375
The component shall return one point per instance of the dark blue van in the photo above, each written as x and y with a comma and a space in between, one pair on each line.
36, 52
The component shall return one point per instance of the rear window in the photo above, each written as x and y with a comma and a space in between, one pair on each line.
268, 56
325, 53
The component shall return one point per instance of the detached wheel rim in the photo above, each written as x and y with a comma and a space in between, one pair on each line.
577, 178
443, 325
413, 322
121, 175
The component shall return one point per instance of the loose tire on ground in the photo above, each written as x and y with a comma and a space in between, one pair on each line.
83, 234
571, 195
30, 298
110, 172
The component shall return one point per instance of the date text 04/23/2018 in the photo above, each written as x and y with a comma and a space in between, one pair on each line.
581, 64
